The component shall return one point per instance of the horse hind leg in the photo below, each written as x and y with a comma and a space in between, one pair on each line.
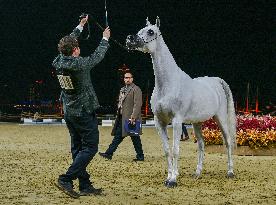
222, 123
162, 132
200, 143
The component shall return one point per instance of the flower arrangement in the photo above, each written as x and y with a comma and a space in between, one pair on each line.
253, 131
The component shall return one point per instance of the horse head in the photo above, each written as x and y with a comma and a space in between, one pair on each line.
145, 39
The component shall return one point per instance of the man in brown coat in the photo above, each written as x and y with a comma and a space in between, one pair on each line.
129, 107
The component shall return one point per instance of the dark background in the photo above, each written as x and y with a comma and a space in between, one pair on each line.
234, 40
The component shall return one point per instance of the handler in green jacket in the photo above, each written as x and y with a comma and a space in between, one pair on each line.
79, 104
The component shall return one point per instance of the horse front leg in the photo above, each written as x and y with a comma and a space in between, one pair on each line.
200, 143
162, 132
175, 153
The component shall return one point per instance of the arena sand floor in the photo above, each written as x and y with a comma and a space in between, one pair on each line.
33, 156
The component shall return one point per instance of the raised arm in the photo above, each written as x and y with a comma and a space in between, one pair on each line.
77, 31
97, 56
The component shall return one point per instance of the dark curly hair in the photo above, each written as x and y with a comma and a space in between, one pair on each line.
67, 44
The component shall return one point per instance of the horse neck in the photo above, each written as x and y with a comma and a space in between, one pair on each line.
165, 68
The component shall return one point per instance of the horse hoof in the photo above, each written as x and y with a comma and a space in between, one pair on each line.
170, 184
230, 175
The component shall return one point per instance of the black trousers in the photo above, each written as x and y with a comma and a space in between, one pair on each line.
136, 140
184, 130
84, 135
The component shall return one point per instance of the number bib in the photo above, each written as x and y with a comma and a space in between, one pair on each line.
65, 82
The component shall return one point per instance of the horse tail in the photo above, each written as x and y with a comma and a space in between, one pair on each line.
231, 116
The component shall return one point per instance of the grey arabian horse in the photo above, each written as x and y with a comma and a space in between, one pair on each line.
178, 98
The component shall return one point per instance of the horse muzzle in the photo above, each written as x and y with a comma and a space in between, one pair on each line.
134, 42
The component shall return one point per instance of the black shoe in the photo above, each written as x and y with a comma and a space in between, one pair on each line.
67, 188
138, 160
104, 155
90, 190
185, 138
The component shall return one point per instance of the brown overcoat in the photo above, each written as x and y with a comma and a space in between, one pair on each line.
131, 106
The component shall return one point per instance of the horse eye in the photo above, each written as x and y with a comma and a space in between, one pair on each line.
150, 32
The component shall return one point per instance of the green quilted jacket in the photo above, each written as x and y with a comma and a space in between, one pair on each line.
81, 94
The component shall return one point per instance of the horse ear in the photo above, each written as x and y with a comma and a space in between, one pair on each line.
157, 22
147, 22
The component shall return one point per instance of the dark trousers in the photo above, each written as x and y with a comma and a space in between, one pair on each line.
184, 130
84, 145
118, 139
